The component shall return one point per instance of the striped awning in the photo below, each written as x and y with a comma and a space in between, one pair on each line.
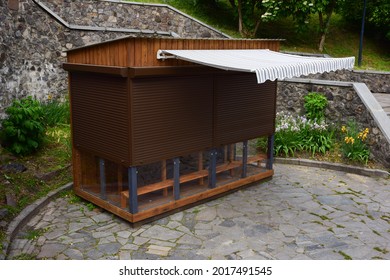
268, 65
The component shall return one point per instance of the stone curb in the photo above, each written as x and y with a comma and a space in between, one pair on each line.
26, 214
335, 166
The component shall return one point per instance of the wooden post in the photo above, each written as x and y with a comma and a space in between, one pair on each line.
244, 158
200, 167
164, 175
232, 156
176, 178
213, 169
102, 169
120, 178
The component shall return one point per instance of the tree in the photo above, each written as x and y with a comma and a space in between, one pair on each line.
301, 11
377, 17
251, 13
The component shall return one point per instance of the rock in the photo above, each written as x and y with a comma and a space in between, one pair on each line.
3, 213
10, 200
13, 168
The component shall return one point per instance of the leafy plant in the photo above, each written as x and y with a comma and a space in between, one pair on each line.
300, 134
55, 112
354, 145
315, 104
23, 130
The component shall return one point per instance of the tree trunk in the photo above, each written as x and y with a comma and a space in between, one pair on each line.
324, 25
322, 42
240, 20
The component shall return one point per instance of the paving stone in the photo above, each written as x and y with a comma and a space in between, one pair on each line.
158, 250
73, 254
124, 255
177, 216
94, 254
52, 235
101, 218
162, 243
162, 233
207, 214
51, 250
189, 239
108, 239
75, 227
130, 247
109, 248
289, 230
124, 234
140, 240
173, 224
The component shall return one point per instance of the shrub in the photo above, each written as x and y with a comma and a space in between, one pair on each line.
23, 131
354, 145
315, 104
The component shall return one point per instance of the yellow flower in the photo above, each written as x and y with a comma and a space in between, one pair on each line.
343, 129
49, 97
349, 140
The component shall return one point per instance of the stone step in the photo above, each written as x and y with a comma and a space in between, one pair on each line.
384, 101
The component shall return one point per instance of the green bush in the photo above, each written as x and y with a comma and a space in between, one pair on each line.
315, 104
23, 130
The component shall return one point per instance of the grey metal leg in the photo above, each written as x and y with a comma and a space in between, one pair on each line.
102, 171
244, 158
133, 196
176, 178
270, 152
213, 169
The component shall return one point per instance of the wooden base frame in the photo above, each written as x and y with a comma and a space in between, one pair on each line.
171, 206
122, 191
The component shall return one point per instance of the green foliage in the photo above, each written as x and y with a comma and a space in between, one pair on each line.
301, 134
354, 145
377, 15
315, 104
55, 112
23, 130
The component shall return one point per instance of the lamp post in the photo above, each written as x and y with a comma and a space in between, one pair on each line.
362, 33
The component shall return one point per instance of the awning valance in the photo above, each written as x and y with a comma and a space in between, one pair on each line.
268, 65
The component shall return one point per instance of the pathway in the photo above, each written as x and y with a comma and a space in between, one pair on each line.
302, 213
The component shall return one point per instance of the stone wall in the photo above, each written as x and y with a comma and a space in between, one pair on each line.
35, 36
344, 104
377, 82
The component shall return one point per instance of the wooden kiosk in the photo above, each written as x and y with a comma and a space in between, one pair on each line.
151, 136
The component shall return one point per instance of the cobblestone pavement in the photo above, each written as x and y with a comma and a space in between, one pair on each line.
302, 213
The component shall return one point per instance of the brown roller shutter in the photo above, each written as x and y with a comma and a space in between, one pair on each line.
100, 115
171, 116
244, 109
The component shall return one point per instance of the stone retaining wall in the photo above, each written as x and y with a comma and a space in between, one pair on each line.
34, 41
344, 104
377, 82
